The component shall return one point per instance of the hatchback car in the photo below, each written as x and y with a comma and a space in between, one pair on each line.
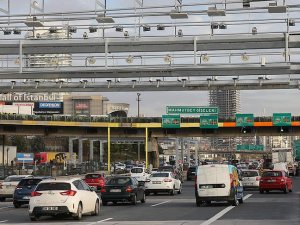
95, 180
140, 173
191, 173
8, 186
23, 190
63, 197
275, 180
250, 179
123, 189
163, 182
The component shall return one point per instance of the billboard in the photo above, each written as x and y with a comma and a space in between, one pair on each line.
24, 157
48, 108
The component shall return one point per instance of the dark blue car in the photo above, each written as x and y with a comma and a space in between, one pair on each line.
23, 190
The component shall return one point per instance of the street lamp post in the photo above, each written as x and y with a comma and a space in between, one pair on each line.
138, 103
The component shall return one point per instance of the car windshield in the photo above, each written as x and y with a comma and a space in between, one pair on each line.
136, 170
249, 173
160, 175
53, 186
272, 174
120, 181
29, 182
13, 179
92, 176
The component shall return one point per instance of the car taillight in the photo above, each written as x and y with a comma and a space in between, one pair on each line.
167, 180
35, 193
103, 190
129, 189
282, 180
68, 193
147, 180
18, 187
257, 178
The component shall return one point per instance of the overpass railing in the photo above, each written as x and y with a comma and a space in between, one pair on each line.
68, 118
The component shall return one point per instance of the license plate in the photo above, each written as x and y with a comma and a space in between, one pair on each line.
156, 182
50, 208
115, 190
26, 197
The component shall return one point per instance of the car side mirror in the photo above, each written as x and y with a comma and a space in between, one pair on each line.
141, 184
93, 188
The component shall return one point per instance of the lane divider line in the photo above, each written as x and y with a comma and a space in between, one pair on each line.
222, 213
6, 207
3, 221
160, 203
100, 221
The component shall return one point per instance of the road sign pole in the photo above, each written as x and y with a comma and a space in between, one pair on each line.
146, 146
108, 149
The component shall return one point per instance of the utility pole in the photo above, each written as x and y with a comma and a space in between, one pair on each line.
138, 103
3, 143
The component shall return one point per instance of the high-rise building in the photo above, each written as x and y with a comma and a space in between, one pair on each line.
228, 102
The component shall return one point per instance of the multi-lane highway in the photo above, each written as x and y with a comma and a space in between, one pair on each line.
275, 208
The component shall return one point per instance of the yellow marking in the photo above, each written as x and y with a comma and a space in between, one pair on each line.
187, 125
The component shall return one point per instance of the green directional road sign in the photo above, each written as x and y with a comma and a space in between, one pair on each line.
170, 121
249, 147
208, 122
244, 120
192, 110
282, 119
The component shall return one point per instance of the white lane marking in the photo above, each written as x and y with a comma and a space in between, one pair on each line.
160, 203
6, 207
222, 213
3, 221
100, 221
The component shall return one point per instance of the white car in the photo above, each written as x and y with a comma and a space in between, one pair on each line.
7, 188
140, 173
163, 182
250, 179
71, 197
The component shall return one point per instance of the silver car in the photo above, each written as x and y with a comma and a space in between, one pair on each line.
250, 179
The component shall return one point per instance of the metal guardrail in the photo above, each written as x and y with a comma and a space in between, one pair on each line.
65, 118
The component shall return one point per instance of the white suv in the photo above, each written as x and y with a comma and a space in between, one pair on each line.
71, 197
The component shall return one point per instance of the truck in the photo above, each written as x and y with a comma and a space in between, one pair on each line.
285, 155
54, 157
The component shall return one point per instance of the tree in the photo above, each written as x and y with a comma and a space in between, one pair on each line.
21, 143
37, 144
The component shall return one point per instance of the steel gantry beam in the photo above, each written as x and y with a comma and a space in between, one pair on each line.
161, 44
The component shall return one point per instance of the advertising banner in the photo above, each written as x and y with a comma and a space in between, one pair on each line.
48, 108
25, 157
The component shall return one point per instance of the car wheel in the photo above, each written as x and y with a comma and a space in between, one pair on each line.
104, 203
261, 191
2, 199
207, 202
134, 200
235, 202
78, 215
267, 191
34, 218
143, 200
286, 190
155, 193
172, 192
180, 190
198, 203
115, 202
97, 209
17, 204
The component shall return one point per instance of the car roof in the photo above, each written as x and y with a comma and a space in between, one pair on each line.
62, 180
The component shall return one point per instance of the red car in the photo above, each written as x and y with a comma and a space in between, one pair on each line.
95, 180
275, 180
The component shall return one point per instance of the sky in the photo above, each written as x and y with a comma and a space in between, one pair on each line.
259, 102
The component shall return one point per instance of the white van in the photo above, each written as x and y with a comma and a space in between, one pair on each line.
218, 183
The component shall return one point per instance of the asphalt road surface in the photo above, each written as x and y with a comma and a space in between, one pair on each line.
275, 208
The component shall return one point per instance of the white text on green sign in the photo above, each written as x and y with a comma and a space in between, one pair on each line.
192, 110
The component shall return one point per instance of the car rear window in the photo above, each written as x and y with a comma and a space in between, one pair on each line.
136, 170
53, 186
160, 175
272, 174
13, 179
192, 169
29, 182
120, 181
249, 173
92, 176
